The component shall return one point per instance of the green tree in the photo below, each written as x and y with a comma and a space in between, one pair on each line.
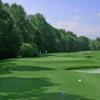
20, 18
27, 50
10, 40
16, 25
95, 44
45, 33
0, 4
84, 43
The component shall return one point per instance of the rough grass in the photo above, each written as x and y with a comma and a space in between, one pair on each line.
46, 77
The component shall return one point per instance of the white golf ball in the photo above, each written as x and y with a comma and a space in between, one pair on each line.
79, 80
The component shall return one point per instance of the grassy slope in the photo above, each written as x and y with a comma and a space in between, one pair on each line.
45, 78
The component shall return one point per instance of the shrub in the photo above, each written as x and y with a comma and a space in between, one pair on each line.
28, 50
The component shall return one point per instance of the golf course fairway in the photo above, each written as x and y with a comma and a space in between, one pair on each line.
49, 77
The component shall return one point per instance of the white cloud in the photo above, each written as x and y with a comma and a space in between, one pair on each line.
78, 28
77, 10
89, 31
67, 25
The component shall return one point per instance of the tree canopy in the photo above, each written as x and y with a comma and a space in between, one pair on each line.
19, 31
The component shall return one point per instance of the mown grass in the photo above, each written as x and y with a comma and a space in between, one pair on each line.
46, 77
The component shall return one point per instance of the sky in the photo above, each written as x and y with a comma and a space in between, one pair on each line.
79, 16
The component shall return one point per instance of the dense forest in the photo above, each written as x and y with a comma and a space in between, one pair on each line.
31, 35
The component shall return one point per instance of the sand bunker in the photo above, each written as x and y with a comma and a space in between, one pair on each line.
88, 70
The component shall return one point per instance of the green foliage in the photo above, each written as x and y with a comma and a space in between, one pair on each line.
28, 50
10, 40
20, 18
84, 43
45, 36
0, 4
17, 27
95, 44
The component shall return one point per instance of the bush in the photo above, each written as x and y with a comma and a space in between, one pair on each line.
28, 50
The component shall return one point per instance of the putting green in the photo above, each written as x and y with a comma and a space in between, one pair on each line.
49, 77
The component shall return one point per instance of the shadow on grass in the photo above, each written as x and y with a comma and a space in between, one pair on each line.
22, 85
31, 89
23, 88
6, 68
12, 88
44, 96
59, 96
26, 68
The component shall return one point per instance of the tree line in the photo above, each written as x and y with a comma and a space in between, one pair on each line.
30, 35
